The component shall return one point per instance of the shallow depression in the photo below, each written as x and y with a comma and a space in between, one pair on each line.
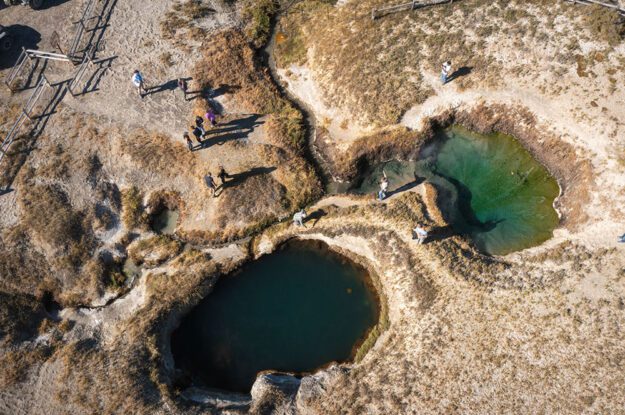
493, 190
294, 310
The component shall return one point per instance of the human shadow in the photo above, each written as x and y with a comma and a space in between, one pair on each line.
405, 187
22, 37
191, 95
315, 216
439, 233
167, 86
232, 130
233, 180
223, 89
460, 72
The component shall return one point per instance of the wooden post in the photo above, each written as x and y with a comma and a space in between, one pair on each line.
372, 14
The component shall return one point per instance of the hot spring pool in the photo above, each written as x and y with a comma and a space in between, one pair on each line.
293, 310
497, 193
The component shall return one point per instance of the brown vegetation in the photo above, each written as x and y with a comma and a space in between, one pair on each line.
375, 69
153, 251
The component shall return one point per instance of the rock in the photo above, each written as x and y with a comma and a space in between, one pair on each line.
274, 393
314, 386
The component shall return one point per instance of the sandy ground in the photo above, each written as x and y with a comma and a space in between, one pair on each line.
542, 334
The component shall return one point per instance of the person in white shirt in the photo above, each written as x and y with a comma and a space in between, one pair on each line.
446, 72
298, 218
383, 186
419, 233
137, 80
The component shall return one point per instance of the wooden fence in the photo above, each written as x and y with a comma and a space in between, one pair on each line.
414, 4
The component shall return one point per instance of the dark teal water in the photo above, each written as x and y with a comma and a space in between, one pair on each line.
497, 193
294, 310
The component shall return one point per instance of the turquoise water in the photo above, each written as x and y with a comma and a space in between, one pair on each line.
505, 197
294, 310
495, 191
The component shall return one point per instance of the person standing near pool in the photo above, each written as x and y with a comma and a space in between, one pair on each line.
419, 233
446, 72
383, 186
298, 218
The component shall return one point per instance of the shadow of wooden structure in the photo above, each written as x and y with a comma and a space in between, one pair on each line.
414, 4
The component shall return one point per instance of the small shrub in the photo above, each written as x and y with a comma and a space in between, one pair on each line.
258, 14
133, 215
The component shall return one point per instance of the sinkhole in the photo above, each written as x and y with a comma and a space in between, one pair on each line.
165, 221
294, 310
493, 190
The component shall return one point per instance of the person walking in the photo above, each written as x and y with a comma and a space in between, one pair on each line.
419, 233
197, 133
137, 80
446, 72
222, 175
383, 186
210, 116
183, 86
188, 140
210, 183
298, 218
199, 123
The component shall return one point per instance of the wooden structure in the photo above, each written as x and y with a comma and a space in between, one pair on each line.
620, 10
26, 113
414, 4
81, 52
30, 56
81, 29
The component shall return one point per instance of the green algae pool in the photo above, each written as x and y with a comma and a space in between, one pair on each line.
496, 192
294, 310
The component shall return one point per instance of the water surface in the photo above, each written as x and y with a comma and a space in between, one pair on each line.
294, 310
505, 197
165, 221
494, 190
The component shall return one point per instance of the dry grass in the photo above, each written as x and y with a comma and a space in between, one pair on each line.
182, 17
229, 63
237, 207
16, 364
605, 24
155, 152
20, 317
133, 214
154, 251
375, 69
257, 15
